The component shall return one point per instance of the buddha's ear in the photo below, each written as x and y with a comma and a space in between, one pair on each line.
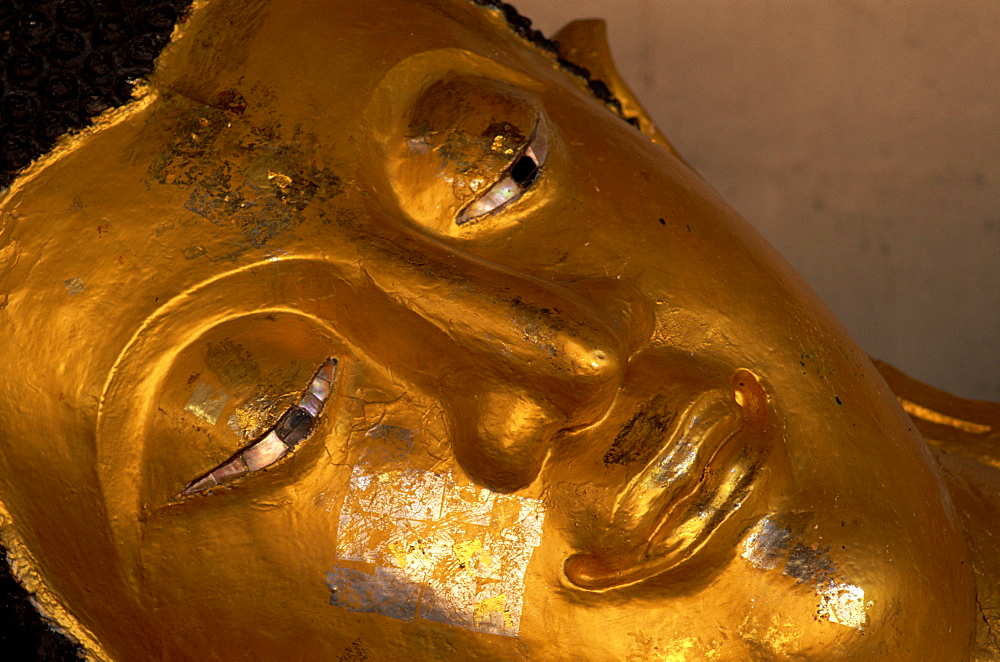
585, 43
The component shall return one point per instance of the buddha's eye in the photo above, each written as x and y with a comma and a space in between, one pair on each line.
514, 181
294, 426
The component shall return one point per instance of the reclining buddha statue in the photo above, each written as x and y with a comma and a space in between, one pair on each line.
395, 330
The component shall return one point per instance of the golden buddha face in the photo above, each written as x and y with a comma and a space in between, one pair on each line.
390, 339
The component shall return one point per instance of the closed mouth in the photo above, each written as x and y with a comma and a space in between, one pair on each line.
704, 471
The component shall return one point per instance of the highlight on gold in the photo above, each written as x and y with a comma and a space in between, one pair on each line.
406, 336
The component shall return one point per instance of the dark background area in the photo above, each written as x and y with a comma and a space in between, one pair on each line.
23, 633
64, 61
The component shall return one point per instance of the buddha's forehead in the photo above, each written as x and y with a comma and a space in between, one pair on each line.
329, 52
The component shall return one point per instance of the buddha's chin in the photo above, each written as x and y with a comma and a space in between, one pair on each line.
689, 498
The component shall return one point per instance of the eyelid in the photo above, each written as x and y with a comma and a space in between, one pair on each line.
294, 426
508, 189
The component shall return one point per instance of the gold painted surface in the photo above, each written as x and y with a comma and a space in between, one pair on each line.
596, 419
585, 42
966, 428
931, 416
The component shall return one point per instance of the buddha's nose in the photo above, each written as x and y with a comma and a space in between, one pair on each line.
516, 359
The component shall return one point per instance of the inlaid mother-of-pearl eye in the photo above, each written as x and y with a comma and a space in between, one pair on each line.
514, 181
293, 427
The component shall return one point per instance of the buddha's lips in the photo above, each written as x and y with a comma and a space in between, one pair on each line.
673, 505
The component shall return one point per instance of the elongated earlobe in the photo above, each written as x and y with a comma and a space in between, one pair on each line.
585, 42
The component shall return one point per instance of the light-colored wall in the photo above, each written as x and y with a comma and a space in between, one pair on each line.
861, 137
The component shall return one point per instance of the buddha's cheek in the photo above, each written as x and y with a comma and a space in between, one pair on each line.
381, 549
243, 574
